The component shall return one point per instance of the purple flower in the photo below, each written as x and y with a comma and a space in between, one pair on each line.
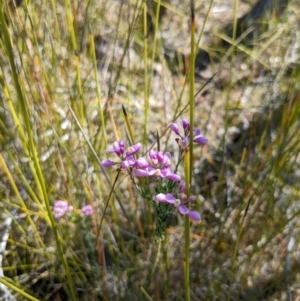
159, 166
185, 125
160, 159
185, 138
141, 163
87, 210
127, 158
61, 208
169, 174
127, 162
108, 163
133, 149
179, 203
117, 148
199, 138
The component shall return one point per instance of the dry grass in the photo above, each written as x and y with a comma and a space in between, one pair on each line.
249, 111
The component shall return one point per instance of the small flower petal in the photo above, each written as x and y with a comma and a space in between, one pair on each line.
107, 163
166, 160
185, 125
161, 197
141, 163
194, 215
173, 177
183, 209
147, 172
153, 157
182, 187
140, 173
191, 198
197, 132
128, 162
200, 140
174, 128
166, 198
133, 149
169, 174
121, 146
160, 157
117, 148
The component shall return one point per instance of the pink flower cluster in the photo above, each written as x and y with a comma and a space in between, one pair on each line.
62, 208
158, 166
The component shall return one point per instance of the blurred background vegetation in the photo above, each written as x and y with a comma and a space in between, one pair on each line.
66, 69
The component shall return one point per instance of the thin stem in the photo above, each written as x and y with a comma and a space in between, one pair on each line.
187, 230
188, 156
146, 94
128, 124
98, 89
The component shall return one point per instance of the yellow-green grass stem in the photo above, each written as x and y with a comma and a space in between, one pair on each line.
10, 284
204, 23
188, 156
31, 146
187, 161
128, 125
38, 54
54, 14
24, 208
192, 87
106, 205
235, 20
98, 91
158, 4
21, 133
29, 189
70, 24
146, 86
79, 88
146, 294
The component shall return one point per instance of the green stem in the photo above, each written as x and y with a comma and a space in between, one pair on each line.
146, 98
187, 168
187, 258
189, 155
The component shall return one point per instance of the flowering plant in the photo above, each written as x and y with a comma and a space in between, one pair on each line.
62, 208
168, 195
